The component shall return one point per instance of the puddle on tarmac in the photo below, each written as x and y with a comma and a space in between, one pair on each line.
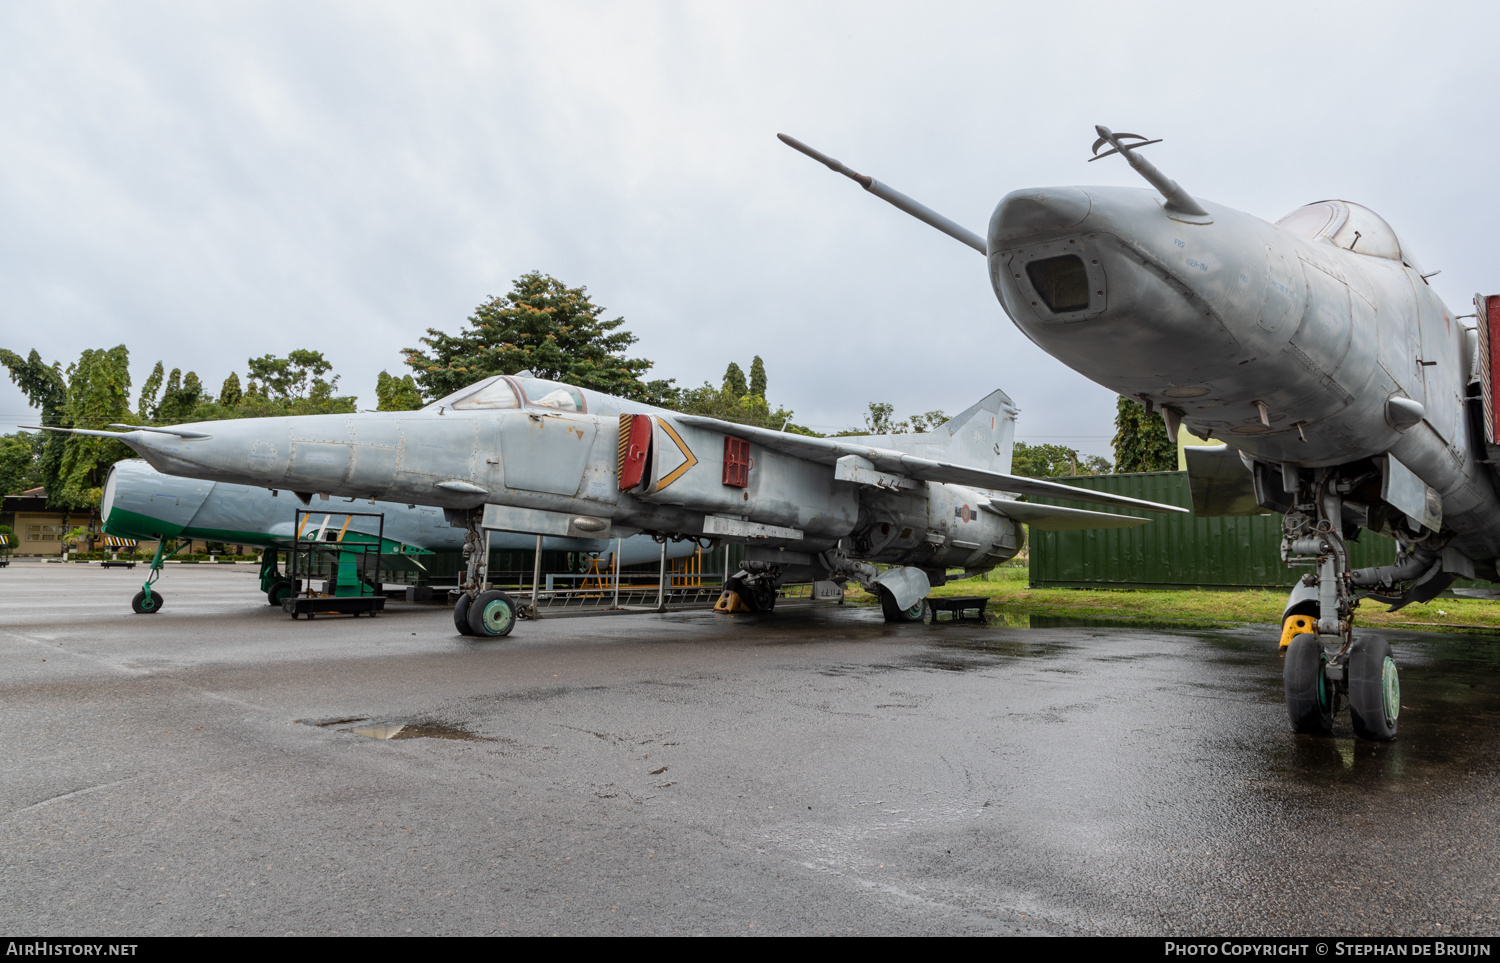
376, 729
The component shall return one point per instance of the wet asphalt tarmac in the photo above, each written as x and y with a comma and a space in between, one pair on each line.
808, 772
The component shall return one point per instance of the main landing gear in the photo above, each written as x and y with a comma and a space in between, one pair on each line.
487, 614
893, 611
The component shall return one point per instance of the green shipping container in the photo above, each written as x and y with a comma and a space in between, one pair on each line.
1174, 551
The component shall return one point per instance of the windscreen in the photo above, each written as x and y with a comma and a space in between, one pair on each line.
551, 394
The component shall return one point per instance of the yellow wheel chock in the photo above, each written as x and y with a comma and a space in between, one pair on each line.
1296, 625
731, 602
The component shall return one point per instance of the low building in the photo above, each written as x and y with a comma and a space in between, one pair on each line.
38, 529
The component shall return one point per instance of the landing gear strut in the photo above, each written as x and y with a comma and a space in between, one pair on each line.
1325, 663
147, 602
488, 614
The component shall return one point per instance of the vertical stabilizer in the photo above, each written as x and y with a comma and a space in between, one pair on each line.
981, 436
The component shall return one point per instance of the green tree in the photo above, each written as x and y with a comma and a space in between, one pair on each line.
1141, 442
180, 399
734, 401
758, 377
98, 395
230, 393
293, 385
544, 327
1054, 461
734, 382
145, 405
397, 394
45, 388
880, 420
20, 461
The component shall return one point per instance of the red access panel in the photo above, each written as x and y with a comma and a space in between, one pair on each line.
635, 441
737, 462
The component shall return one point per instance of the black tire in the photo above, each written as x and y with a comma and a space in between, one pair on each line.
1309, 697
278, 592
894, 613
140, 606
765, 595
461, 614
750, 594
1374, 690
493, 614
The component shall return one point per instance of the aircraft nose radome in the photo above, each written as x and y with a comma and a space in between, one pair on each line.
1037, 210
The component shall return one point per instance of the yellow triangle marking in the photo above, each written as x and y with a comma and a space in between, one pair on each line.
687, 453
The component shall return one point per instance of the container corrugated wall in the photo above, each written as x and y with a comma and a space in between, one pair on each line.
1174, 550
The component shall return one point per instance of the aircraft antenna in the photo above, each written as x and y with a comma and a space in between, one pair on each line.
891, 196
1180, 203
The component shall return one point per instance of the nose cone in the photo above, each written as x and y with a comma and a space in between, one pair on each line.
1035, 211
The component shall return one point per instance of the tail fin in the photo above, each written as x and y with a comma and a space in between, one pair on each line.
981, 436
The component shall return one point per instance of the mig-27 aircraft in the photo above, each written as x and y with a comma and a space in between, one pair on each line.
1347, 395
527, 455
141, 503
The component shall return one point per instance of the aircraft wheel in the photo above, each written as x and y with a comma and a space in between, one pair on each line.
1309, 697
492, 614
461, 614
278, 592
146, 605
894, 613
1374, 690
747, 594
765, 595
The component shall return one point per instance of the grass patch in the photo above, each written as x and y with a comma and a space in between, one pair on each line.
1007, 590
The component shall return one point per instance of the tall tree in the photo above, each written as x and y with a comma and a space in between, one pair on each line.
734, 382
734, 401
45, 388
1141, 442
397, 394
180, 398
542, 326
230, 392
145, 403
758, 377
98, 395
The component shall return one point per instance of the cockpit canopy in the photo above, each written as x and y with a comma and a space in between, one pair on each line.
499, 392
1352, 227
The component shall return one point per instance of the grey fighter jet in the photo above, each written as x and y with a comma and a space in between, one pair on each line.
1347, 395
527, 455
141, 503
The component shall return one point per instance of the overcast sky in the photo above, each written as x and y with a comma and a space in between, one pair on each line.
206, 182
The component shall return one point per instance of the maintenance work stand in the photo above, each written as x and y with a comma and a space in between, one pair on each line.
957, 607
353, 584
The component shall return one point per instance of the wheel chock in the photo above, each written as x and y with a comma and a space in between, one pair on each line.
731, 602
1296, 625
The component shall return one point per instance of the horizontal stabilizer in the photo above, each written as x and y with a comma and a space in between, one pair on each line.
1055, 518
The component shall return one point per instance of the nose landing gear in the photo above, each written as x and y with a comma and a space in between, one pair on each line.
146, 601
1325, 663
